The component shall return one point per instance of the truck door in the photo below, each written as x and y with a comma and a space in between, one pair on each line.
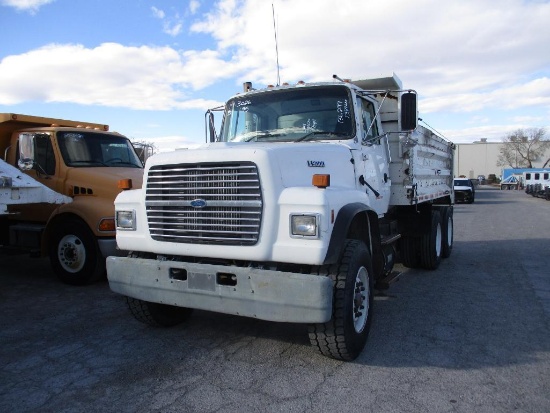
375, 154
44, 171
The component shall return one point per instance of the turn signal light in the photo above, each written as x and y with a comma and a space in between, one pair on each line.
125, 184
321, 181
107, 224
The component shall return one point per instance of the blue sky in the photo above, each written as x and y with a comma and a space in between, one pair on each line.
150, 68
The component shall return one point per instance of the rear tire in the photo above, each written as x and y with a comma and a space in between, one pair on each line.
447, 226
409, 251
158, 315
431, 243
345, 335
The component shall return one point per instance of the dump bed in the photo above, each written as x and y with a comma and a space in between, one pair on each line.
421, 167
10, 122
17, 121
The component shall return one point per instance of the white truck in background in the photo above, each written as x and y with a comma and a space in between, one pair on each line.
537, 183
295, 212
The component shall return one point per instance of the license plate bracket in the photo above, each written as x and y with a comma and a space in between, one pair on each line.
201, 281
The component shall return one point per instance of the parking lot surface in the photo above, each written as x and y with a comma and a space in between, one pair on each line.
472, 336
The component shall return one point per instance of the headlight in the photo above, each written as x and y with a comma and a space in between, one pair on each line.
304, 225
126, 220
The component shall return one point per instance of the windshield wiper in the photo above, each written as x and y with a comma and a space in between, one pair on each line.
310, 135
263, 135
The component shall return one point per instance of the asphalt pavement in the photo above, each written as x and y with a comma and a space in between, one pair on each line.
473, 336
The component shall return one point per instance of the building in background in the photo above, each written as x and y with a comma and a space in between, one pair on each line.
480, 158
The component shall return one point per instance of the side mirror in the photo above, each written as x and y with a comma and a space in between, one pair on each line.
211, 129
26, 151
409, 111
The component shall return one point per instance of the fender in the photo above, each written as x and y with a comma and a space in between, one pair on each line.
342, 229
89, 210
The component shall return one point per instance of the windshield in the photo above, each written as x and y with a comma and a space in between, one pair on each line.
289, 115
462, 182
91, 149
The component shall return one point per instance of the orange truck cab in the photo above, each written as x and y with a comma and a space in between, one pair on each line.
79, 160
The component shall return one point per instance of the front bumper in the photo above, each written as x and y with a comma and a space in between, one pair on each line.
263, 294
463, 196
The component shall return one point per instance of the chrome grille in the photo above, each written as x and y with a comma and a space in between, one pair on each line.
204, 203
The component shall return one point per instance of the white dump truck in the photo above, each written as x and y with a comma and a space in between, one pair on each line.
294, 212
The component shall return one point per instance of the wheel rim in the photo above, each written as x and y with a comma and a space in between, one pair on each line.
438, 239
361, 299
449, 231
71, 253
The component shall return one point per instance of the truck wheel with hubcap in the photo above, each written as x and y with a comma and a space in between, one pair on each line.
158, 315
344, 336
74, 253
431, 243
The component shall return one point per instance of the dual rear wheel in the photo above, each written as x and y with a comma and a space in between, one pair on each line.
427, 250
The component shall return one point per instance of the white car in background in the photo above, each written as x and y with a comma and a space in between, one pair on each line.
465, 190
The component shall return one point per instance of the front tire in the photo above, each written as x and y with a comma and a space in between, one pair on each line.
74, 253
157, 315
345, 335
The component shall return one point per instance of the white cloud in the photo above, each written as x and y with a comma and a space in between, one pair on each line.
531, 93
493, 133
527, 119
172, 29
170, 143
113, 75
194, 6
171, 26
158, 13
437, 47
31, 6
461, 56
476, 120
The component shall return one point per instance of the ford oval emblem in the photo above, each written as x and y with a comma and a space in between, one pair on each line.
198, 203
